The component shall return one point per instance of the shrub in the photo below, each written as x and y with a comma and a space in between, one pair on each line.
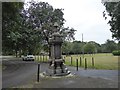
116, 53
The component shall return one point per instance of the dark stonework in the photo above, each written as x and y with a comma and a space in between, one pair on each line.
56, 66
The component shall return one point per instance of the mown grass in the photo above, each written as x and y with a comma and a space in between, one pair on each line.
101, 61
41, 58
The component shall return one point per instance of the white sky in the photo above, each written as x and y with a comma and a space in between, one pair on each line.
85, 16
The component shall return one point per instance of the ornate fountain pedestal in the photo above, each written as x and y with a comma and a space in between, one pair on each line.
56, 63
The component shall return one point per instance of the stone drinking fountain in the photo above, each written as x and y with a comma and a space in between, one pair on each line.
56, 63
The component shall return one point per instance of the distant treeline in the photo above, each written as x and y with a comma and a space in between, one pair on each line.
91, 47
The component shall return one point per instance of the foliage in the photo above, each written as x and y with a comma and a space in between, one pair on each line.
67, 47
103, 48
118, 46
113, 10
89, 48
41, 16
10, 25
28, 30
110, 46
17, 37
116, 53
77, 47
97, 46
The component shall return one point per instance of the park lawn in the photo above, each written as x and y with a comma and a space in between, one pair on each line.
41, 58
101, 61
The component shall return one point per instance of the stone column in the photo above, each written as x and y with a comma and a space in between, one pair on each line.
57, 66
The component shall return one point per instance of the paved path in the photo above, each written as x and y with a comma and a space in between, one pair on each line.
83, 79
105, 74
18, 73
22, 74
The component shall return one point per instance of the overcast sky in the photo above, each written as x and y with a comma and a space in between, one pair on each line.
86, 16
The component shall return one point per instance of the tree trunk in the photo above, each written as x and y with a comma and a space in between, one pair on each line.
20, 53
16, 52
49, 50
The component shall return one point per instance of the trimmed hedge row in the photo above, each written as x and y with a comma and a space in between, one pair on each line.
116, 53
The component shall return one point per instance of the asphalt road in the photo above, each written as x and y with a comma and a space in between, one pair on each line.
20, 74
17, 72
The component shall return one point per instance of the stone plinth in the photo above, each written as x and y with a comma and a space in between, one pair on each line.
56, 66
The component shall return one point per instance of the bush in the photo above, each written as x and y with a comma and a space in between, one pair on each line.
116, 53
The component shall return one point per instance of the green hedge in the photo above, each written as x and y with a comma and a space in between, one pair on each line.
116, 53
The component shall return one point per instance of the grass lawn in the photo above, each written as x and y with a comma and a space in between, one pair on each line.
41, 58
101, 61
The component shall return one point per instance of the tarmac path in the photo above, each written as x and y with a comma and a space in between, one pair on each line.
18, 72
22, 74
89, 78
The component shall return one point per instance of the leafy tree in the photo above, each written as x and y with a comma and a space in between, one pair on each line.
16, 36
118, 46
67, 47
97, 46
77, 47
10, 23
110, 45
41, 17
113, 10
28, 30
74, 47
103, 48
89, 48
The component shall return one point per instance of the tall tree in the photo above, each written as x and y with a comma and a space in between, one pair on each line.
10, 23
89, 48
97, 46
77, 47
16, 36
41, 17
111, 45
67, 47
113, 10
29, 29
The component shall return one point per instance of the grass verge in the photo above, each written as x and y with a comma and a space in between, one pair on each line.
101, 61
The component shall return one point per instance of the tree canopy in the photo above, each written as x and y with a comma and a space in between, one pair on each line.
41, 16
89, 48
28, 29
77, 47
113, 10
10, 25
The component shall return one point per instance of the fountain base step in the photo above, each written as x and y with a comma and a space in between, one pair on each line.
58, 72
